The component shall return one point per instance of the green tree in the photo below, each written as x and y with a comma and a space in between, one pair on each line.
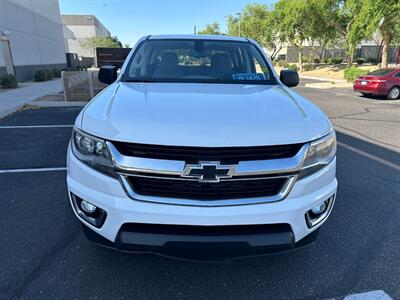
346, 19
382, 16
116, 41
396, 39
292, 19
321, 30
212, 28
100, 41
257, 22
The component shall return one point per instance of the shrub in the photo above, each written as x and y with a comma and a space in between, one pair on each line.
40, 75
9, 82
56, 73
317, 60
283, 63
337, 60
49, 75
306, 59
372, 60
44, 75
292, 67
360, 61
308, 67
351, 74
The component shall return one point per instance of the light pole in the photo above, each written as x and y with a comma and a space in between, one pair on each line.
240, 19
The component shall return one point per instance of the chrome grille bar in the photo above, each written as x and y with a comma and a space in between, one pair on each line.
128, 164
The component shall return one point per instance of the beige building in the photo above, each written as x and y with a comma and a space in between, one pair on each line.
77, 28
31, 37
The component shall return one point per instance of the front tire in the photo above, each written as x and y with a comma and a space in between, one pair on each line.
394, 93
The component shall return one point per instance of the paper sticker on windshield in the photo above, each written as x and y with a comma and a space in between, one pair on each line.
248, 76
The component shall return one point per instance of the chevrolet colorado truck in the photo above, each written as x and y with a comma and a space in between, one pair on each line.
198, 149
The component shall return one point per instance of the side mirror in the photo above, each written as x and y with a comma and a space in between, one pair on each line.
289, 78
108, 74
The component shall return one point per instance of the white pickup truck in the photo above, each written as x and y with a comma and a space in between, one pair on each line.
198, 149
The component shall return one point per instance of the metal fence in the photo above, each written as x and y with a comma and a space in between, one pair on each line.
81, 85
362, 52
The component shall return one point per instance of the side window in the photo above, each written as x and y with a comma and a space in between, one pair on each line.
136, 68
258, 67
397, 75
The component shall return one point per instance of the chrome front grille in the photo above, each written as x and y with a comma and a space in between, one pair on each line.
166, 181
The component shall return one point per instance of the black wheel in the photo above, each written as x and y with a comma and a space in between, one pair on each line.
394, 93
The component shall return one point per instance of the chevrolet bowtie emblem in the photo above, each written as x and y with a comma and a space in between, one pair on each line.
208, 171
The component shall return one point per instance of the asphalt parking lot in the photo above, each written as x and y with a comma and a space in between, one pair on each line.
43, 253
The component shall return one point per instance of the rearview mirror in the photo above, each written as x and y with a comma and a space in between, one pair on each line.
108, 74
289, 78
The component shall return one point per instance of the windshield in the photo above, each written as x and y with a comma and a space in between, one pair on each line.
381, 72
198, 61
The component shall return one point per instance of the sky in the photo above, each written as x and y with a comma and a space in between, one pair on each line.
131, 19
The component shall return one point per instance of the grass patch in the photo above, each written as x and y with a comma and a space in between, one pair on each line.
29, 107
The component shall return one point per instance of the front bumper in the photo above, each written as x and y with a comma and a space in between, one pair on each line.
107, 193
202, 246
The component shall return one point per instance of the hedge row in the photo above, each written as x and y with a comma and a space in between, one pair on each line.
351, 74
9, 82
44, 75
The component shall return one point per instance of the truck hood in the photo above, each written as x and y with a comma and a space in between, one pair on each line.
208, 115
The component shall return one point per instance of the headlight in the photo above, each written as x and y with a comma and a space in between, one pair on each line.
92, 151
320, 153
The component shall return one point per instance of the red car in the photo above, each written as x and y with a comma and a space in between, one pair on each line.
380, 82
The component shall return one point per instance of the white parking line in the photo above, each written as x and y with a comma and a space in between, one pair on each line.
373, 295
32, 170
35, 126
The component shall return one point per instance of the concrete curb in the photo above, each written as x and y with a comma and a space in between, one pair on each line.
323, 79
58, 104
329, 85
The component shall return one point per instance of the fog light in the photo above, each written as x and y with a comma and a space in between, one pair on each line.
319, 212
319, 208
88, 207
92, 214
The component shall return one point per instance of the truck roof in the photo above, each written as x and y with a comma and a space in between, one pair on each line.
197, 37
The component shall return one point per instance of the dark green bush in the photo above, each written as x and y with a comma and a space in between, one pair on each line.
40, 75
9, 82
317, 60
49, 74
372, 60
43, 75
56, 73
337, 60
351, 74
283, 63
360, 61
292, 67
